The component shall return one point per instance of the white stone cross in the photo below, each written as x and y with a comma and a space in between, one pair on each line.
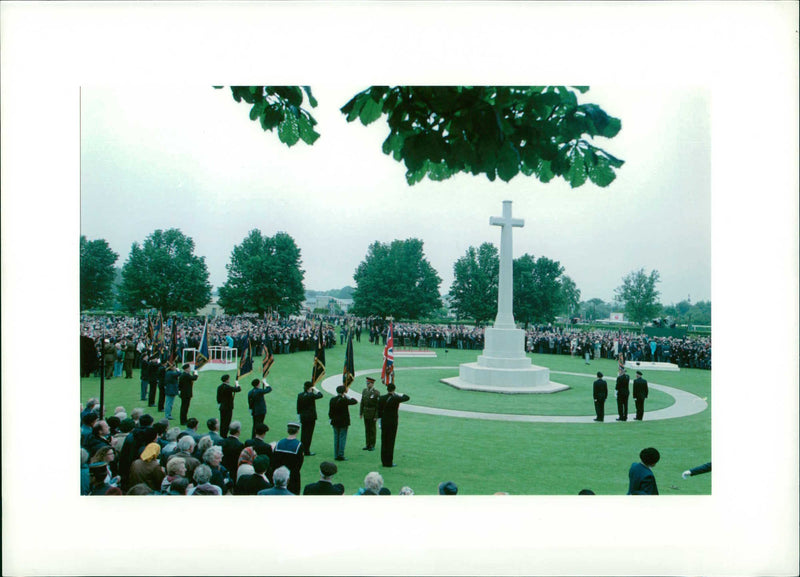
505, 286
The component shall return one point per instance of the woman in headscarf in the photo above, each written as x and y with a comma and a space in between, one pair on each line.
147, 469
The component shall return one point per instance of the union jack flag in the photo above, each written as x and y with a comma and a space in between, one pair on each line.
387, 371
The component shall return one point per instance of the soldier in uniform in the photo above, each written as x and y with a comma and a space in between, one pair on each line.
368, 410
288, 453
600, 393
622, 393
130, 355
225, 393
639, 395
185, 386
307, 413
388, 406
256, 402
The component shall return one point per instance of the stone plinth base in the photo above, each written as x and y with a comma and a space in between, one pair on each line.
531, 379
508, 384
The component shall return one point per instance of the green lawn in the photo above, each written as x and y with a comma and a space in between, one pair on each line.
482, 457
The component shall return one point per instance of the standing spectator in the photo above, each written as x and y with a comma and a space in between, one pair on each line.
144, 376
119, 356
641, 480
185, 386
152, 375
622, 393
307, 413
288, 452
260, 446
280, 477
147, 469
325, 485
639, 394
203, 485
256, 402
171, 376
368, 411
220, 476
373, 485
339, 415
600, 393
162, 376
109, 358
213, 426
129, 356
258, 481
186, 447
225, 394
231, 448
388, 406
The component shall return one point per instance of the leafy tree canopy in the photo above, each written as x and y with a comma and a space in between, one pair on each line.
264, 274
439, 131
396, 280
97, 273
165, 274
474, 288
541, 290
639, 294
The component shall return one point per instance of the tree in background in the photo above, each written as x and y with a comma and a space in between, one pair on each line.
439, 131
541, 289
396, 280
595, 308
639, 294
572, 296
685, 312
475, 279
264, 274
97, 273
165, 274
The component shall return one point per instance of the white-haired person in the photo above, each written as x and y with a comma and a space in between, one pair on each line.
176, 469
186, 446
202, 482
373, 485
219, 474
280, 478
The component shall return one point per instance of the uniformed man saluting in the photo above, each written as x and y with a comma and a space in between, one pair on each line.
368, 410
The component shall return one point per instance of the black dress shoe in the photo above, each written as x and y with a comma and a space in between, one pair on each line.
392, 465
309, 454
365, 448
371, 448
340, 459
620, 419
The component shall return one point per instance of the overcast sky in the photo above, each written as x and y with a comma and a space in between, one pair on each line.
188, 156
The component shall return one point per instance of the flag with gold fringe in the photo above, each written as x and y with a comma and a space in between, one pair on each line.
318, 370
349, 371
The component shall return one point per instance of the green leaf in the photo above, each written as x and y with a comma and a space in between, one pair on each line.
288, 132
370, 112
306, 130
581, 89
311, 100
577, 171
257, 109
507, 162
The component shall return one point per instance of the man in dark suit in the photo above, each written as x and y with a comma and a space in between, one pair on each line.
639, 395
161, 373
185, 386
225, 392
153, 380
600, 393
622, 393
325, 485
260, 446
307, 412
641, 480
232, 448
388, 406
339, 415
368, 411
256, 402
258, 481
144, 375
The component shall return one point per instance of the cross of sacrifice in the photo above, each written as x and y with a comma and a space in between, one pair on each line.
505, 287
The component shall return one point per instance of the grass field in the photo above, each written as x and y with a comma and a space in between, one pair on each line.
480, 456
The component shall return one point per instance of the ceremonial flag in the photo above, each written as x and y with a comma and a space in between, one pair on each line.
173, 344
246, 364
268, 359
318, 370
149, 330
159, 346
388, 358
202, 355
349, 372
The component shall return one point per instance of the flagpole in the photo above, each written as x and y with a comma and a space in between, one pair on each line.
102, 369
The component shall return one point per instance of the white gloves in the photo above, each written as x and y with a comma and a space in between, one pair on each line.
686, 474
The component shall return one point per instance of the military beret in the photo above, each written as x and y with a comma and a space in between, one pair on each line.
448, 488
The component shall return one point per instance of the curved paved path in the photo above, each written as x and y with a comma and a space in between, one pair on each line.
685, 403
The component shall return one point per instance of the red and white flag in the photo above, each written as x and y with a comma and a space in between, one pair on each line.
388, 358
